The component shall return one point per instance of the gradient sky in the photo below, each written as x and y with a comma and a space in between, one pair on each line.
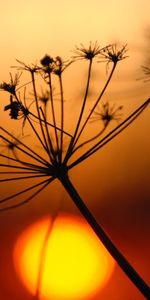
28, 30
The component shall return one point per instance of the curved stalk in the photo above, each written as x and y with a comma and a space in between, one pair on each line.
111, 134
43, 183
113, 250
96, 103
28, 151
90, 140
45, 145
53, 110
84, 100
69, 151
59, 129
52, 155
62, 117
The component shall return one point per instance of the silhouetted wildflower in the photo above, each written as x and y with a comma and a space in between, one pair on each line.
107, 113
11, 86
48, 64
87, 53
17, 110
112, 54
59, 66
14, 108
56, 160
46, 60
9, 147
33, 68
23, 114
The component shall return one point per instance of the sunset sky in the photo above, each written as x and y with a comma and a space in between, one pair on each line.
114, 182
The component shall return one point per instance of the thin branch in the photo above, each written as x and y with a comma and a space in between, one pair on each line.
119, 128
24, 190
59, 129
20, 172
90, 140
37, 157
23, 168
96, 103
69, 151
51, 148
38, 113
62, 117
36, 133
53, 111
47, 182
32, 166
23, 177
111, 134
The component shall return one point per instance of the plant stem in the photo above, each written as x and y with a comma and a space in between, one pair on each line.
96, 103
114, 132
69, 151
28, 151
91, 139
53, 111
59, 129
52, 155
84, 100
45, 145
71, 145
113, 250
62, 117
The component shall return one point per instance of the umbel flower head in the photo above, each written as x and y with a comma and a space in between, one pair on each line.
33, 68
111, 53
12, 85
14, 108
47, 63
46, 60
107, 113
87, 53
17, 109
58, 144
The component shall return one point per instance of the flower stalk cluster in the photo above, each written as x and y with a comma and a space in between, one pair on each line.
22, 162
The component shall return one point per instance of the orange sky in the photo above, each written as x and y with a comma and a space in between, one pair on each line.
31, 28
28, 30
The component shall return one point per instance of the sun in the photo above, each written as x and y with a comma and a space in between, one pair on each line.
74, 264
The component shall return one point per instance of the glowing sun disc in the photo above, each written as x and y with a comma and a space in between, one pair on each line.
76, 264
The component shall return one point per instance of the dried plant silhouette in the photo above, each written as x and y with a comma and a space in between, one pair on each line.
61, 150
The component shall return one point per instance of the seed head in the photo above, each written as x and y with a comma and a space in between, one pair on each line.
14, 108
112, 54
107, 113
33, 68
46, 61
48, 64
87, 53
11, 86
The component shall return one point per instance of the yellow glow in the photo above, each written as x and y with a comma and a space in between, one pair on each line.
76, 264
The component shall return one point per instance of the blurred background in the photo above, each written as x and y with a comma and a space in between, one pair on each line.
114, 182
